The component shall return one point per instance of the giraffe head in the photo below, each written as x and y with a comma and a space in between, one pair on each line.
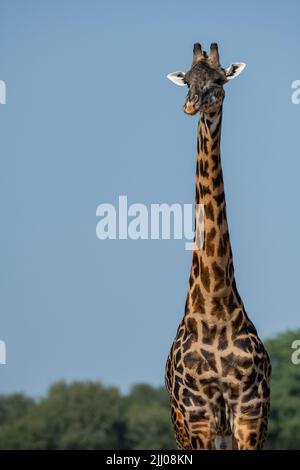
205, 80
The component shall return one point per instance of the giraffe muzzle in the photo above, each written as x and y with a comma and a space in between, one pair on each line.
191, 107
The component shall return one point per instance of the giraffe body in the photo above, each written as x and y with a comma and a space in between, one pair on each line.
218, 371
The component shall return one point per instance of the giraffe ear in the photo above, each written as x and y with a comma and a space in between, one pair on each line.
234, 70
177, 78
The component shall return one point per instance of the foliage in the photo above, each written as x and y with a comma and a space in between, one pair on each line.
147, 418
80, 415
284, 423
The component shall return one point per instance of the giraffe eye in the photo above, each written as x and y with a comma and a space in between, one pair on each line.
219, 81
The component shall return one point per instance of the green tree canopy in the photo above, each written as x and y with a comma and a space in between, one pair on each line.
284, 423
82, 415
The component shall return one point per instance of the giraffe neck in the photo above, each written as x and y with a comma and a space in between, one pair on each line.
212, 268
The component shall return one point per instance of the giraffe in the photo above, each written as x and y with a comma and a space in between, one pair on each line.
218, 371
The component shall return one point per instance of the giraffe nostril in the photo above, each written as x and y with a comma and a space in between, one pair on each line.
196, 98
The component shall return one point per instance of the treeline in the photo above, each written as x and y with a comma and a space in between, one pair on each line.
88, 415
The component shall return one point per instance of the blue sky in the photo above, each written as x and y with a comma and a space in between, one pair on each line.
90, 116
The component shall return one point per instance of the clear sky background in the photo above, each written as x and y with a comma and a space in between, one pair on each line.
90, 116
